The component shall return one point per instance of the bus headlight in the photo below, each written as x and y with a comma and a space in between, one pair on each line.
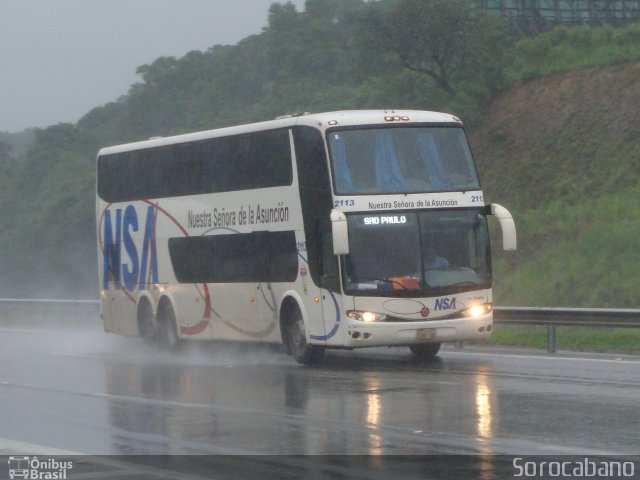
478, 310
366, 316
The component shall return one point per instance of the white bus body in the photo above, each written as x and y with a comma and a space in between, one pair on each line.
335, 230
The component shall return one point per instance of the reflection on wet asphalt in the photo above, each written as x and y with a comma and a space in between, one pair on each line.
91, 392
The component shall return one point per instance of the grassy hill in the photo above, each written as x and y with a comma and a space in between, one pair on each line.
562, 152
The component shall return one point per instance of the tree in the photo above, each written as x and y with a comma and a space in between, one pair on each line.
5, 155
443, 39
283, 17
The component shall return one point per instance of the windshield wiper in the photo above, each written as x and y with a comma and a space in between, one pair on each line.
462, 284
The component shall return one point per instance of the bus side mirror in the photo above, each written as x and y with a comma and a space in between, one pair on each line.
508, 226
339, 232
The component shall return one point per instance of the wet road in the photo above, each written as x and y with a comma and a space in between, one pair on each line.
95, 393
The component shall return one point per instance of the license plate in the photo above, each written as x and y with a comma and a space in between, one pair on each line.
426, 334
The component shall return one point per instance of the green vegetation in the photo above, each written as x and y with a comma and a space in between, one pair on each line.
553, 119
619, 340
575, 254
571, 48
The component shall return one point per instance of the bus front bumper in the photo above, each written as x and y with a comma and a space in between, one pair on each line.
377, 334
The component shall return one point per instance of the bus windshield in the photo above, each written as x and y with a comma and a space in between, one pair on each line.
417, 253
401, 160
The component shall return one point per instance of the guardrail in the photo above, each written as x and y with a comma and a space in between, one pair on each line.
19, 311
551, 317
58, 304
567, 317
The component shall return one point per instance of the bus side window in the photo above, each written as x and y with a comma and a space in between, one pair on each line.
329, 274
316, 202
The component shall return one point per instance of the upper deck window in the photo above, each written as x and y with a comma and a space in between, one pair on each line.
401, 160
224, 164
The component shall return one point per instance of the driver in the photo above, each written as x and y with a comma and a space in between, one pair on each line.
433, 260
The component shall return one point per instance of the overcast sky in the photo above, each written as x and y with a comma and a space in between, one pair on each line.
61, 58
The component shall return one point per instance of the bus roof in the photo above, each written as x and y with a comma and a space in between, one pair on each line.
316, 120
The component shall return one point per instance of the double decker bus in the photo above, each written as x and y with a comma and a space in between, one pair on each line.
335, 230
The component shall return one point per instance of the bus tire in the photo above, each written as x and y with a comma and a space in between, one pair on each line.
167, 327
296, 338
424, 351
146, 326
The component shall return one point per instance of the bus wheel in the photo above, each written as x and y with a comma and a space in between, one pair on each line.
167, 329
424, 351
146, 328
297, 341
